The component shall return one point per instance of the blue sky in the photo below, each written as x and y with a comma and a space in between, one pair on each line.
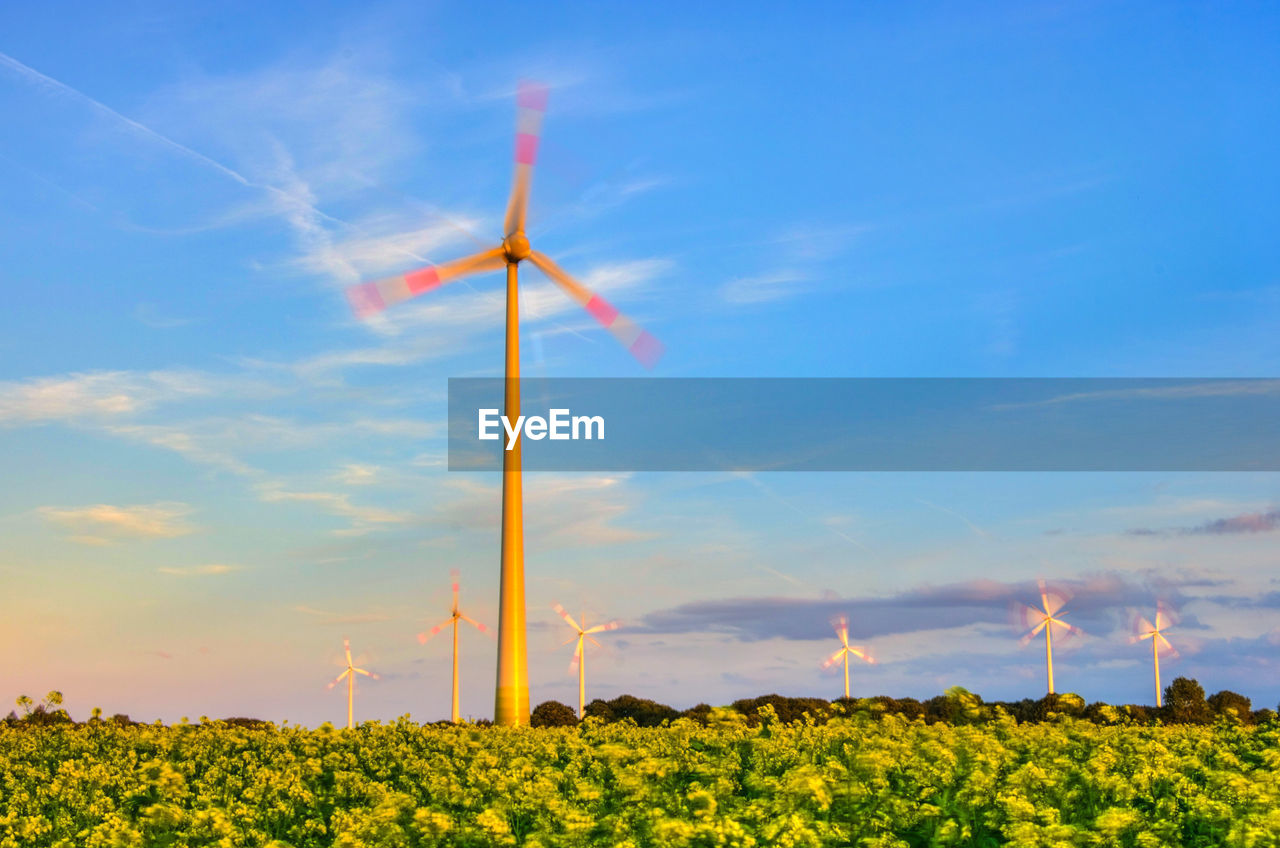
213, 472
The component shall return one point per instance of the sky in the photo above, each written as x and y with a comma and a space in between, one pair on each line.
213, 472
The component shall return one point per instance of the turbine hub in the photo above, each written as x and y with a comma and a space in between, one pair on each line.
516, 247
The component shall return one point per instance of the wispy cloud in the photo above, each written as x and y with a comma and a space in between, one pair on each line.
1252, 522
1098, 604
62, 89
363, 518
149, 315
1171, 390
176, 439
209, 570
342, 618
108, 395
764, 288
222, 441
104, 523
354, 474
587, 509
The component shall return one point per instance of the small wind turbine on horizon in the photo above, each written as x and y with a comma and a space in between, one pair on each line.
579, 661
841, 624
1045, 618
511, 699
350, 674
454, 617
1143, 629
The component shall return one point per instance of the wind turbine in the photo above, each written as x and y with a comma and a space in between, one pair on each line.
512, 695
841, 625
1046, 618
454, 617
580, 653
350, 674
1143, 629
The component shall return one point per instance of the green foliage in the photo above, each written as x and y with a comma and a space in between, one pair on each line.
642, 711
786, 709
1232, 705
553, 714
1184, 702
853, 780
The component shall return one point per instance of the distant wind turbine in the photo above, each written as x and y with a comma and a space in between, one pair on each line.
841, 625
579, 661
455, 616
1046, 618
1143, 629
350, 674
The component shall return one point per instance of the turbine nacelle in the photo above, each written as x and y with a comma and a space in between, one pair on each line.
515, 247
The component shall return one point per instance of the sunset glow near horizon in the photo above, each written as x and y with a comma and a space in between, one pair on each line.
214, 472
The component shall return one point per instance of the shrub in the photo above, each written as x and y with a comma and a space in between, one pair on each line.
786, 709
1228, 703
1184, 702
553, 714
642, 711
701, 713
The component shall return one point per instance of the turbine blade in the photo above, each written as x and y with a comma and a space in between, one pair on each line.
564, 613
453, 575
1164, 646
477, 625
600, 628
346, 646
833, 659
365, 673
1070, 629
594, 642
338, 679
861, 653
423, 637
1030, 616
531, 105
642, 344
372, 297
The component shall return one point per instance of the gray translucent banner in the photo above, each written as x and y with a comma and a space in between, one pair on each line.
813, 424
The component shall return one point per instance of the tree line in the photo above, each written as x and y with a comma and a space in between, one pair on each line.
1184, 703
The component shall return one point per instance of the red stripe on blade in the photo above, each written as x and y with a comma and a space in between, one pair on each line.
420, 281
365, 299
602, 310
526, 148
647, 349
531, 95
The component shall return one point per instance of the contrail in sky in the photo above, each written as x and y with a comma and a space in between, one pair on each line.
295, 201
58, 87
62, 88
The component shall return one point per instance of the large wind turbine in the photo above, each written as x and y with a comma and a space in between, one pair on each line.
1045, 618
1144, 629
512, 696
455, 616
350, 675
841, 625
580, 653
